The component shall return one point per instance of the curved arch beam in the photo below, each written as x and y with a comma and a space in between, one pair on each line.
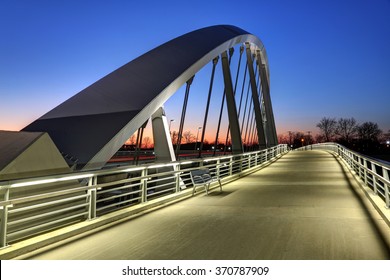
93, 124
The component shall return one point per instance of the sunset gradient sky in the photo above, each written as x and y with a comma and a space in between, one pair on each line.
327, 58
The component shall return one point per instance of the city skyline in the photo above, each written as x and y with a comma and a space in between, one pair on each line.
326, 59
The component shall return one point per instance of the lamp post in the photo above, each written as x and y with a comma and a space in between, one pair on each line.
290, 138
309, 137
170, 122
197, 134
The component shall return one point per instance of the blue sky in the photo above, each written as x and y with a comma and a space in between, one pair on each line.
327, 58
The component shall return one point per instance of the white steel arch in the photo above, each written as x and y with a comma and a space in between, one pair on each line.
92, 125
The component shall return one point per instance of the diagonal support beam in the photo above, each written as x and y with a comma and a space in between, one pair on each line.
215, 61
255, 97
231, 106
272, 139
183, 116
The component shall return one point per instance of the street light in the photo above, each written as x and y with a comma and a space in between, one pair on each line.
309, 137
197, 134
170, 122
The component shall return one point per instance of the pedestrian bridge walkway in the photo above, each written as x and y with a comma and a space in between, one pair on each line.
306, 205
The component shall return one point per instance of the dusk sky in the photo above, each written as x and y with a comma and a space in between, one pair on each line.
327, 58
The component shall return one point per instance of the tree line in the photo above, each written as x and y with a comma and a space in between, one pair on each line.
347, 130
366, 137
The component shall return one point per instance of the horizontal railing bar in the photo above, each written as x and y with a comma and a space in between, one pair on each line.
161, 179
47, 214
117, 203
162, 185
44, 196
16, 233
122, 181
162, 191
118, 195
119, 188
120, 169
31, 207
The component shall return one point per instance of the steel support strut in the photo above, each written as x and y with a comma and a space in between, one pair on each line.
231, 52
235, 88
215, 61
231, 106
255, 98
183, 116
272, 138
139, 142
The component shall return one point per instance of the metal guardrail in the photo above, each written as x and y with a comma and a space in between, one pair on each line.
374, 173
37, 205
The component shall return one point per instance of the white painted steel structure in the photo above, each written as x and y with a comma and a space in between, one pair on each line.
91, 126
96, 196
374, 173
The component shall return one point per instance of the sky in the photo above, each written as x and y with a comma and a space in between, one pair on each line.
326, 58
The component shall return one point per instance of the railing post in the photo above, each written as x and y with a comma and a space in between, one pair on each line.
387, 187
353, 163
349, 161
357, 164
92, 198
373, 169
177, 168
365, 171
4, 221
231, 166
144, 185
339, 151
217, 168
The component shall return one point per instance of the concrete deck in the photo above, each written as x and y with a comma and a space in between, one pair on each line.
304, 206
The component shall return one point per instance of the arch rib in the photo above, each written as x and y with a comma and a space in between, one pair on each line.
93, 124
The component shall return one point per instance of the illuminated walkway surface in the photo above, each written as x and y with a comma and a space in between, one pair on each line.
304, 206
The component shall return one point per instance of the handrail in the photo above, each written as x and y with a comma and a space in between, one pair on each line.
32, 206
374, 173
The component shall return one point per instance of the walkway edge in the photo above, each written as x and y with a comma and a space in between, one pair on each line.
375, 200
67, 234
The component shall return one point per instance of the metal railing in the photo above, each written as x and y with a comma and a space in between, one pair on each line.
374, 173
33, 206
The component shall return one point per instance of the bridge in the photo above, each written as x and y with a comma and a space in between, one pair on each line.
322, 201
305, 205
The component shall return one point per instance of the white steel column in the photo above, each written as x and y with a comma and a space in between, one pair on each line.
272, 139
215, 61
163, 147
231, 106
256, 103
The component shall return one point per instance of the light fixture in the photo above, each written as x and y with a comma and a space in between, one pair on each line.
52, 180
